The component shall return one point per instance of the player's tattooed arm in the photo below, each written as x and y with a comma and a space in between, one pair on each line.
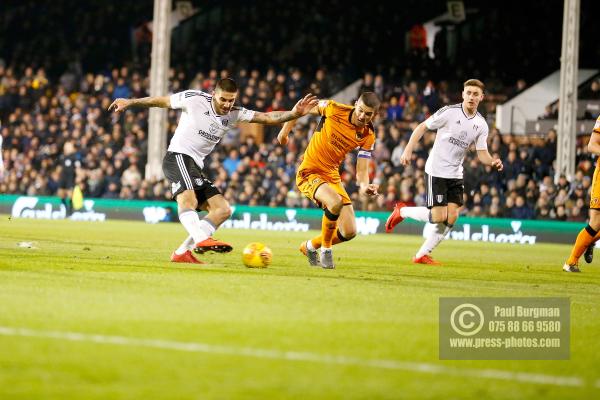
120, 105
302, 107
274, 117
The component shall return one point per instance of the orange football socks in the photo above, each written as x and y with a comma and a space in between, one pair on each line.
584, 239
317, 241
328, 227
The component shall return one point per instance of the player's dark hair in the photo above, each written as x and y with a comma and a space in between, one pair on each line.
227, 85
370, 99
476, 83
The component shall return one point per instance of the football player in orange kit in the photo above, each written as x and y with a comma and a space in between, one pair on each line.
591, 233
342, 129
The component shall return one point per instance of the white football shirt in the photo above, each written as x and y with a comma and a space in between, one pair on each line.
455, 133
200, 128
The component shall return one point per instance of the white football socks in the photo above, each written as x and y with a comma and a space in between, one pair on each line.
188, 244
416, 213
198, 229
434, 239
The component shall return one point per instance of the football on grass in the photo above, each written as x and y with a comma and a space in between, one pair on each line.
257, 255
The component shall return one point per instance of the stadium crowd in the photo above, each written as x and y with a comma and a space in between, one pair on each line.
40, 116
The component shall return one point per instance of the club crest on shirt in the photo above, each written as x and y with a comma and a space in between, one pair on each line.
359, 135
214, 128
463, 135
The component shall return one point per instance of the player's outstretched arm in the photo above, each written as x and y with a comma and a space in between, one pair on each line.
362, 177
486, 158
302, 107
417, 134
594, 143
282, 136
120, 105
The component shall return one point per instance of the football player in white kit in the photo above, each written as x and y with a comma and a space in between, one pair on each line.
458, 126
204, 120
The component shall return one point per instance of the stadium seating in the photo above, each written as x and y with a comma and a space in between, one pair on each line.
41, 115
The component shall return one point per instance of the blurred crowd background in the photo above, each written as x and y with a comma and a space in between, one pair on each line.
55, 88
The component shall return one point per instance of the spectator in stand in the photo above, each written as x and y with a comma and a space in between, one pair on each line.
34, 136
519, 87
592, 92
430, 96
232, 162
513, 166
321, 86
543, 156
379, 86
368, 85
394, 110
550, 112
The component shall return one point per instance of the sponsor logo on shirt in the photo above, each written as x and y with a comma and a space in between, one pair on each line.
208, 136
341, 143
458, 143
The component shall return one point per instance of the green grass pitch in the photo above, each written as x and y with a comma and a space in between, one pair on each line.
97, 311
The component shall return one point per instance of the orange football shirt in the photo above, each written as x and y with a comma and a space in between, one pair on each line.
334, 137
595, 189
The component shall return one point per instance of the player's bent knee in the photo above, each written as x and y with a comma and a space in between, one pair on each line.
346, 235
595, 220
335, 205
349, 235
187, 200
438, 219
223, 213
187, 203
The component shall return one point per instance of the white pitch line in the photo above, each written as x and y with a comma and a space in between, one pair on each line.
195, 347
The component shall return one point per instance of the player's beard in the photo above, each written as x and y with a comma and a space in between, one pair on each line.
222, 110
